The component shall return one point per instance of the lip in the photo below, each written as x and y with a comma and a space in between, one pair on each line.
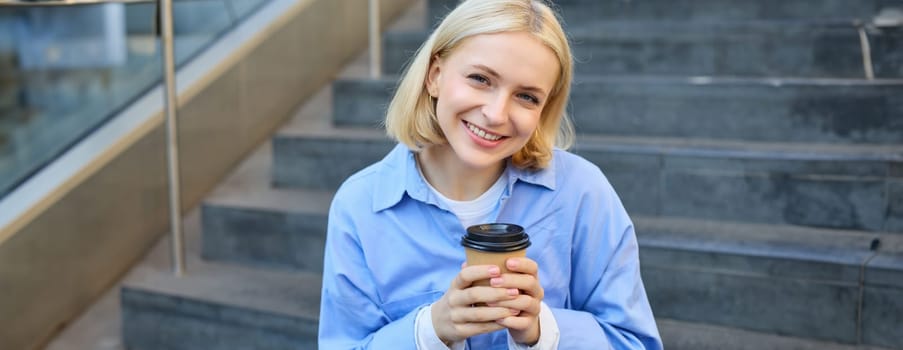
479, 140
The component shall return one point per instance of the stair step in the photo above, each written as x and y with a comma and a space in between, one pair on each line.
246, 221
682, 335
753, 109
323, 159
785, 110
765, 49
883, 295
821, 185
221, 307
723, 273
577, 12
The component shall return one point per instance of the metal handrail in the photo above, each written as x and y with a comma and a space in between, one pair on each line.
169, 104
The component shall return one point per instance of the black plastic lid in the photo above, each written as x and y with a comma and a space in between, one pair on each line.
499, 238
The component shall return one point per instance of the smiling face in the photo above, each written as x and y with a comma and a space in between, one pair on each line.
490, 92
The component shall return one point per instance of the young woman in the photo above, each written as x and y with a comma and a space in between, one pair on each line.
478, 114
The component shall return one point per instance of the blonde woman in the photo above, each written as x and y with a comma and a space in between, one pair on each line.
480, 119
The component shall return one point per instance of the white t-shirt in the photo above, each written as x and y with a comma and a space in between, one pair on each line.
482, 210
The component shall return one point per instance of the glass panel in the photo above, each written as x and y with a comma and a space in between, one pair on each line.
64, 71
243, 8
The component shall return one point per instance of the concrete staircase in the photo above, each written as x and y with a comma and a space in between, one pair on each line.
767, 193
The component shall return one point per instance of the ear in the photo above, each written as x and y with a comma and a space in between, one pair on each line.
433, 76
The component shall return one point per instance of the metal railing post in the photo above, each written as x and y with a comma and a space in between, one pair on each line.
866, 49
172, 139
890, 17
376, 59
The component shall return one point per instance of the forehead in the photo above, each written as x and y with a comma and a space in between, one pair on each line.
515, 56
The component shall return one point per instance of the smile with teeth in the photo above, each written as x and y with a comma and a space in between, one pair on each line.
482, 133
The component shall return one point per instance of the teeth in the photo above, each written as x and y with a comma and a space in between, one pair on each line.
482, 133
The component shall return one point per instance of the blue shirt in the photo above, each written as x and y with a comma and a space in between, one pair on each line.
393, 248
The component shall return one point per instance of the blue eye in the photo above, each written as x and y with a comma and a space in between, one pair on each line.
478, 78
529, 98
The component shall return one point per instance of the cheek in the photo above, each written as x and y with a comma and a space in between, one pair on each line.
459, 96
446, 115
444, 104
528, 123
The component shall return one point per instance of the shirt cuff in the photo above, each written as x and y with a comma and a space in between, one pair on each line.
548, 332
425, 333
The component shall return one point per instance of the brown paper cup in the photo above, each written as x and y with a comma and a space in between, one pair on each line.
493, 244
477, 257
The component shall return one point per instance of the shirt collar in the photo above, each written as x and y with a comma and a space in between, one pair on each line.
398, 175
544, 177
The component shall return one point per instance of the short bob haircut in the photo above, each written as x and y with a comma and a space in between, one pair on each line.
411, 117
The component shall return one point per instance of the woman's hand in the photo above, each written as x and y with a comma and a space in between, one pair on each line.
523, 324
463, 311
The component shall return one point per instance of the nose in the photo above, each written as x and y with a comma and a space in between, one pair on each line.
496, 109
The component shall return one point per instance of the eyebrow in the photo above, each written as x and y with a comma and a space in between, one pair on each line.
497, 76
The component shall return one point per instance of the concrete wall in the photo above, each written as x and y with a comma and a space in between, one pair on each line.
65, 258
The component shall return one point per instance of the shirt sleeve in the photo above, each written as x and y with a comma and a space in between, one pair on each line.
426, 333
351, 315
608, 308
548, 332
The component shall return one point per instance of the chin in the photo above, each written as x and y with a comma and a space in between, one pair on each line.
482, 161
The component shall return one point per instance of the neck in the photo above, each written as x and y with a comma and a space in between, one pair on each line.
454, 180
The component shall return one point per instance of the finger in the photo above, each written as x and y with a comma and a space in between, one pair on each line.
522, 265
480, 294
518, 323
527, 283
479, 314
470, 274
514, 280
524, 303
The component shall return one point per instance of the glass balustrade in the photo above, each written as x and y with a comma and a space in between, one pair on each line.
65, 70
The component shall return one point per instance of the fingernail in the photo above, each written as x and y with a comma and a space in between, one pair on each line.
515, 312
512, 263
495, 282
513, 291
494, 271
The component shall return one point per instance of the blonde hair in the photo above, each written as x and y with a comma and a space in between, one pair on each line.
411, 117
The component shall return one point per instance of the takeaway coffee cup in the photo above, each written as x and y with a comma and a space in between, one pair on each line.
492, 244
